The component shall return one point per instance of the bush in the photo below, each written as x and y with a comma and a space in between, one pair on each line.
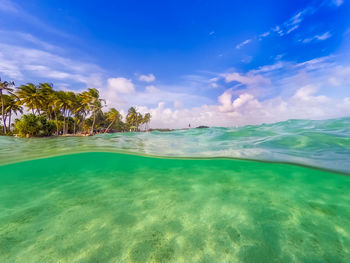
32, 125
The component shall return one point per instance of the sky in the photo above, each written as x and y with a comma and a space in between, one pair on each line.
200, 62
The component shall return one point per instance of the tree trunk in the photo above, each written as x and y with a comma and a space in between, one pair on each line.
10, 121
74, 127
81, 124
4, 121
66, 127
93, 123
56, 123
109, 126
64, 124
3, 112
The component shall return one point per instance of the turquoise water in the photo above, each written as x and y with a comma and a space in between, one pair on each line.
98, 205
323, 144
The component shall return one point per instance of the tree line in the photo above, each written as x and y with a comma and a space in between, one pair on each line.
57, 112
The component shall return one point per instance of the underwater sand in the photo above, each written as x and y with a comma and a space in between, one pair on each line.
110, 207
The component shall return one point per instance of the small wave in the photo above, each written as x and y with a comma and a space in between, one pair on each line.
321, 143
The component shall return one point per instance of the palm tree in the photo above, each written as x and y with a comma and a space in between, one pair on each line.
81, 109
31, 97
4, 103
75, 108
71, 97
12, 106
56, 109
47, 96
139, 119
113, 115
131, 118
146, 119
92, 99
62, 103
5, 86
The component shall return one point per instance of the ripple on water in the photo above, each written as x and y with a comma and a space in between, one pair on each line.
322, 143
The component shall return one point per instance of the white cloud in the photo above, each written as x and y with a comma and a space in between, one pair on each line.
247, 79
243, 99
246, 109
151, 95
292, 29
322, 37
334, 81
8, 6
337, 2
279, 57
264, 35
120, 85
268, 68
152, 89
227, 105
296, 19
225, 101
291, 24
17, 61
147, 78
303, 93
9, 68
246, 59
14, 37
14, 10
307, 92
178, 104
242, 44
36, 41
316, 62
278, 30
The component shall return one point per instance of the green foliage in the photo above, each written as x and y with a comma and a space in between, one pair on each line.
135, 119
60, 112
32, 125
5, 86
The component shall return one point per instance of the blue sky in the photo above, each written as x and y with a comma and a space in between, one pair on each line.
219, 63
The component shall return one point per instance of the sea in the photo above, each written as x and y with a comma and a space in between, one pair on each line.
265, 193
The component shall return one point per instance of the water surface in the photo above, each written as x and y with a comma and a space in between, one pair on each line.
96, 206
323, 144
